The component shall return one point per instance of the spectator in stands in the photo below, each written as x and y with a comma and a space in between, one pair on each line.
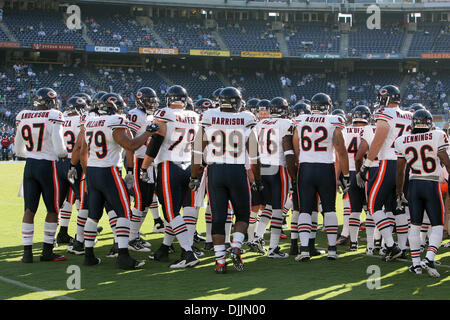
5, 147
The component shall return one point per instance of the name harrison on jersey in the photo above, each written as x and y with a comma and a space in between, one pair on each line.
228, 121
417, 138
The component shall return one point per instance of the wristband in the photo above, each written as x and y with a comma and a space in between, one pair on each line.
367, 163
286, 153
197, 152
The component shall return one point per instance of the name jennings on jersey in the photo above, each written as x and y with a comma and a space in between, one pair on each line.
40, 135
227, 134
421, 153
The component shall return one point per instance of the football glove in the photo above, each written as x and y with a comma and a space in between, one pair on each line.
345, 183
143, 175
194, 184
72, 175
401, 203
362, 175
257, 186
152, 127
129, 179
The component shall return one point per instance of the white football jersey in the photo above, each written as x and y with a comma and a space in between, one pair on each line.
270, 136
104, 151
315, 133
421, 152
137, 122
40, 132
227, 134
367, 134
399, 124
71, 129
182, 125
352, 138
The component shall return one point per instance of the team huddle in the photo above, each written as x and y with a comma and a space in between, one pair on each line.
253, 161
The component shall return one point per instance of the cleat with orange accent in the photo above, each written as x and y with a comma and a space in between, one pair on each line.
52, 257
343, 241
235, 256
221, 268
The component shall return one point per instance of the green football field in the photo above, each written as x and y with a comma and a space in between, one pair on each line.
350, 277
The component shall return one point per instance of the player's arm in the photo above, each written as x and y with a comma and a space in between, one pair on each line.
154, 145
445, 160
296, 147
253, 155
359, 157
58, 140
289, 154
84, 153
76, 151
198, 148
19, 145
341, 151
381, 133
122, 137
400, 178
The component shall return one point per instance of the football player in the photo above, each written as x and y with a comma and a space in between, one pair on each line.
391, 122
106, 136
316, 137
225, 135
39, 139
271, 132
424, 150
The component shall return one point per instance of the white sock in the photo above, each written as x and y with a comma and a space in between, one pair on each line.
414, 243
264, 220
434, 241
294, 223
275, 227
391, 217
208, 224
27, 233
220, 253
331, 227
424, 229
143, 216
154, 209
113, 222
169, 235
81, 222
314, 219
347, 211
135, 224
90, 233
180, 230
49, 232
304, 228
190, 215
123, 232
353, 225
383, 224
65, 213
401, 225
238, 238
251, 226
370, 229
228, 226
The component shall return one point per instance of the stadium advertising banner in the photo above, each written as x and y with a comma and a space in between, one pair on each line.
53, 46
103, 49
158, 51
382, 56
256, 54
210, 53
444, 55
9, 44
320, 56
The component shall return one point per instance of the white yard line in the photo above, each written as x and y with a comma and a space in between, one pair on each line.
35, 289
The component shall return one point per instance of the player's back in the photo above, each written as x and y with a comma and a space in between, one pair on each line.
36, 128
71, 129
182, 125
137, 122
227, 133
104, 151
352, 138
399, 124
270, 138
315, 133
421, 153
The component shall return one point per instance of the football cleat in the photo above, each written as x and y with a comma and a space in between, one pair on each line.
198, 237
197, 252
353, 246
277, 254
77, 247
158, 226
369, 251
377, 245
91, 260
171, 248
143, 242
259, 245
393, 253
293, 251
187, 259
221, 268
63, 238
114, 251
136, 245
303, 257
415, 269
332, 253
282, 235
208, 246
235, 256
125, 262
162, 254
430, 267
404, 254
312, 248
382, 251
342, 241
52, 257
27, 257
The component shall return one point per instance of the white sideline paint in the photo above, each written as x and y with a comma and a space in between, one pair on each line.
25, 286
